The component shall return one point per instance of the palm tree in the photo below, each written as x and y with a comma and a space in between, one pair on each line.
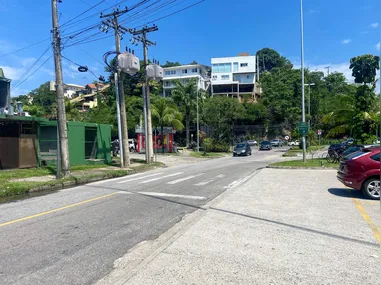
185, 96
165, 114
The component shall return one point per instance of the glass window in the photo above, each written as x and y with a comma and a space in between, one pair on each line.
235, 66
167, 73
185, 71
225, 77
173, 71
243, 64
194, 70
376, 157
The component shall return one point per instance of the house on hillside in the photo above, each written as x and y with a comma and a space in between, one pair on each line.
87, 97
184, 73
235, 77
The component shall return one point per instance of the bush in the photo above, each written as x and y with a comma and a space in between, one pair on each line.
211, 145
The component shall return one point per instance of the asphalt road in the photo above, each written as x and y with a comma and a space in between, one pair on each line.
73, 236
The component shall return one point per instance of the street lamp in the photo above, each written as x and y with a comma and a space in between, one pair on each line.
302, 66
309, 103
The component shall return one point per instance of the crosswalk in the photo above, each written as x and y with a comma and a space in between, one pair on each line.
178, 177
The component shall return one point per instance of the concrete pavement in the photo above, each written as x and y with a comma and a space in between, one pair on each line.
280, 227
74, 236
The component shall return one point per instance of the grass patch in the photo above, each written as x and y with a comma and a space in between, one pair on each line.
315, 163
14, 188
208, 154
292, 152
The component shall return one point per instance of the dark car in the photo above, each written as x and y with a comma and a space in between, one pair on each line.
338, 148
242, 149
265, 145
361, 171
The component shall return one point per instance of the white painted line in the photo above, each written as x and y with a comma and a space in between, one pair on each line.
138, 178
221, 176
125, 192
115, 179
158, 178
155, 194
204, 182
183, 179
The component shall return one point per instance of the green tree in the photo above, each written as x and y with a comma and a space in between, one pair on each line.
171, 64
72, 113
220, 113
165, 114
42, 96
185, 96
270, 59
364, 68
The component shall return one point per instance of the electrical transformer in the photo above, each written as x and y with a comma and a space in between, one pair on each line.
128, 63
155, 72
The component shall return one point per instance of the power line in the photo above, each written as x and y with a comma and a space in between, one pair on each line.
32, 73
84, 12
36, 43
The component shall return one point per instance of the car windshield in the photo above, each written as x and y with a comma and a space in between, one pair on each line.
240, 145
351, 150
265, 142
355, 155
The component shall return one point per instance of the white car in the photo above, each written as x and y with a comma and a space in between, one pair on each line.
252, 142
293, 143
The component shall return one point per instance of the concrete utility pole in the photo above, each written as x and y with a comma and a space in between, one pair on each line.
63, 146
327, 67
302, 66
143, 38
112, 22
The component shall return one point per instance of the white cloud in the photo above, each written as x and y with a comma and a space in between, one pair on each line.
346, 41
374, 25
378, 46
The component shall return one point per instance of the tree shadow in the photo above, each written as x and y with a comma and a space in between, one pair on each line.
347, 193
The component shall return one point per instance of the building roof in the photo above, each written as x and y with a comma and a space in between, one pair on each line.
184, 66
75, 85
92, 85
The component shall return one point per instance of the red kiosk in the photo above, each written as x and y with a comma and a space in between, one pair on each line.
158, 140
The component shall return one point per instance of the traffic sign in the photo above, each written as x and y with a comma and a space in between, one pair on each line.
303, 128
319, 132
286, 138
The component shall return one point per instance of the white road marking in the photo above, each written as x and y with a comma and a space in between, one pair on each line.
115, 179
141, 177
155, 194
158, 178
204, 182
125, 192
221, 176
183, 179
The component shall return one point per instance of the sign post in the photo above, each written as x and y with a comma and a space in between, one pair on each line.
319, 134
303, 128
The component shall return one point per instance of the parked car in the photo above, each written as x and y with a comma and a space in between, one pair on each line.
242, 149
265, 145
361, 171
276, 143
352, 149
293, 143
338, 148
252, 142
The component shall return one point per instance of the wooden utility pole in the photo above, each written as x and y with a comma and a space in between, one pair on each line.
61, 113
112, 22
147, 102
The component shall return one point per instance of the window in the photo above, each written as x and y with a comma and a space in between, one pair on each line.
235, 66
243, 64
225, 77
194, 70
185, 70
173, 71
214, 77
167, 73
222, 67
376, 157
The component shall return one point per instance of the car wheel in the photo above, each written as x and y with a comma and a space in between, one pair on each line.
234, 155
371, 188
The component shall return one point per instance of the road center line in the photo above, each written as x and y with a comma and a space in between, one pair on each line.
156, 194
138, 178
204, 182
183, 179
55, 210
158, 178
368, 219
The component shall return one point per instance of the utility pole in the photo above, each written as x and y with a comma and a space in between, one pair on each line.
141, 36
63, 146
327, 67
112, 22
302, 66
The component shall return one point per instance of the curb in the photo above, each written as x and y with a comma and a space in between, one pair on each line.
297, 167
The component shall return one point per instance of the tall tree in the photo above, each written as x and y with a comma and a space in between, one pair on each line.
166, 114
171, 64
270, 59
185, 96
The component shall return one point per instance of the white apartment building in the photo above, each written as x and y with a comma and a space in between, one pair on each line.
234, 76
71, 89
184, 73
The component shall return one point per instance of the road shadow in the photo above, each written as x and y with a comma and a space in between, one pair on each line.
347, 193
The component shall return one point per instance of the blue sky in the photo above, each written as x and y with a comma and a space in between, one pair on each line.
335, 31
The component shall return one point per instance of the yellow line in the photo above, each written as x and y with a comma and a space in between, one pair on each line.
55, 210
366, 217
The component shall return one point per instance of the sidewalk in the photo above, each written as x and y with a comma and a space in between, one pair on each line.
280, 227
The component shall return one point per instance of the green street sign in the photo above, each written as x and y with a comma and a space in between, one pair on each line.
303, 128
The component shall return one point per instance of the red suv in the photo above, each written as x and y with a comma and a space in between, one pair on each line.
361, 171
